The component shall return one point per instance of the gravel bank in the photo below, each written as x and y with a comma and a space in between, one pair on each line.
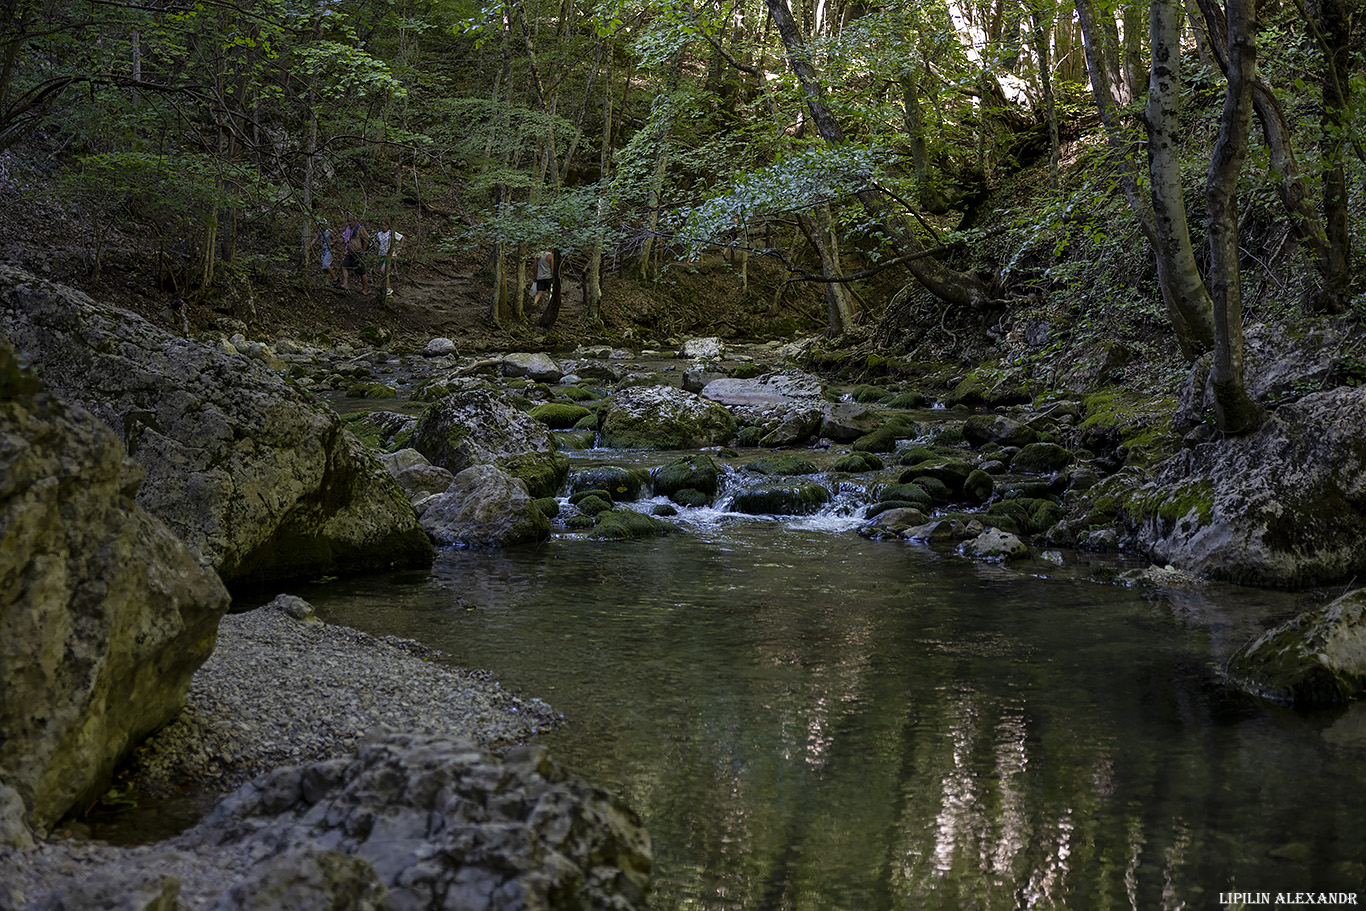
281, 689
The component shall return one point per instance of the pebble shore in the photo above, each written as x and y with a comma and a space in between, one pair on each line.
281, 688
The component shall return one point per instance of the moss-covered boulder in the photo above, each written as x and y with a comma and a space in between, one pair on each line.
1317, 658
1041, 458
858, 462
696, 472
781, 465
690, 497
778, 498
866, 394
981, 429
549, 507
620, 524
621, 484
913, 494
575, 394
559, 415
912, 399
885, 438
479, 427
662, 417
593, 504
371, 391
978, 486
952, 473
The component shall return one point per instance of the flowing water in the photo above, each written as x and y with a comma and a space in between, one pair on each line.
809, 720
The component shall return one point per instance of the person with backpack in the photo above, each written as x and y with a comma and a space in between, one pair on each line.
355, 241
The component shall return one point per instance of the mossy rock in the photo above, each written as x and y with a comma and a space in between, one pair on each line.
581, 495
912, 494
575, 440
622, 484
371, 391
580, 522
576, 394
747, 371
912, 399
858, 462
950, 435
885, 438
593, 505
939, 491
914, 455
1041, 458
559, 415
888, 505
794, 498
620, 524
953, 473
549, 507
690, 497
978, 486
665, 510
1317, 658
541, 472
749, 436
588, 422
867, 395
698, 472
782, 465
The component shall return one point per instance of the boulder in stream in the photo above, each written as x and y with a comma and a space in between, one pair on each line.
485, 507
260, 481
662, 417
479, 427
104, 613
1316, 658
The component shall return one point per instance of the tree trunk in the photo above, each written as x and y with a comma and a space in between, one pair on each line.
1171, 232
1334, 27
839, 304
552, 309
1043, 14
948, 285
1188, 303
1235, 411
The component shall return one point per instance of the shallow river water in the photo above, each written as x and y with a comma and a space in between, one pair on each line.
809, 720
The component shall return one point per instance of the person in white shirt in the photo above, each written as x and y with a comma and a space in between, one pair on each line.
388, 240
545, 275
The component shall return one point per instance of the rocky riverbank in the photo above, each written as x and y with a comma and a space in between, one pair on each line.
285, 691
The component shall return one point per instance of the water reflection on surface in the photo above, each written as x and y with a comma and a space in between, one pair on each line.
808, 720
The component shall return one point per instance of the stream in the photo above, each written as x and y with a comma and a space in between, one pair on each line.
806, 719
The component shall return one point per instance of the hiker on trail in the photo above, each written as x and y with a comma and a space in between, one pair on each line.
355, 241
388, 240
323, 238
545, 274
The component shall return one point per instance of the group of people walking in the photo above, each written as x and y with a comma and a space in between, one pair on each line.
354, 242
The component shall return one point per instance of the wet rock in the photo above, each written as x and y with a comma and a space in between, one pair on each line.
620, 484
540, 367
307, 879
105, 614
559, 415
14, 830
261, 483
620, 524
778, 498
662, 417
480, 427
845, 422
781, 465
1317, 658
485, 507
995, 545
114, 890
892, 523
703, 349
858, 462
1041, 458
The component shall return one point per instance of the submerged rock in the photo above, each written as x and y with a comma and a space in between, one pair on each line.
996, 545
104, 613
1318, 657
262, 483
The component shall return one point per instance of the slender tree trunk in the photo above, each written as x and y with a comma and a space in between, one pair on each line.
958, 288
1043, 14
1334, 21
552, 309
839, 304
1235, 411
592, 291
1186, 298
652, 196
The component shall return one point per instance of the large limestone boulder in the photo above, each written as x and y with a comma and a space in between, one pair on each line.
1317, 658
261, 483
1275, 363
537, 366
445, 825
104, 613
485, 507
481, 427
662, 417
1284, 506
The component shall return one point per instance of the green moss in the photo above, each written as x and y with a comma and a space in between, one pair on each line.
618, 483
542, 472
576, 394
913, 494
798, 498
871, 394
593, 505
559, 415
781, 465
549, 507
698, 472
1174, 504
910, 400
885, 438
627, 523
580, 495
747, 371
371, 391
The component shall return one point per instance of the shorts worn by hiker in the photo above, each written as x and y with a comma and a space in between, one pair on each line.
353, 262
543, 284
